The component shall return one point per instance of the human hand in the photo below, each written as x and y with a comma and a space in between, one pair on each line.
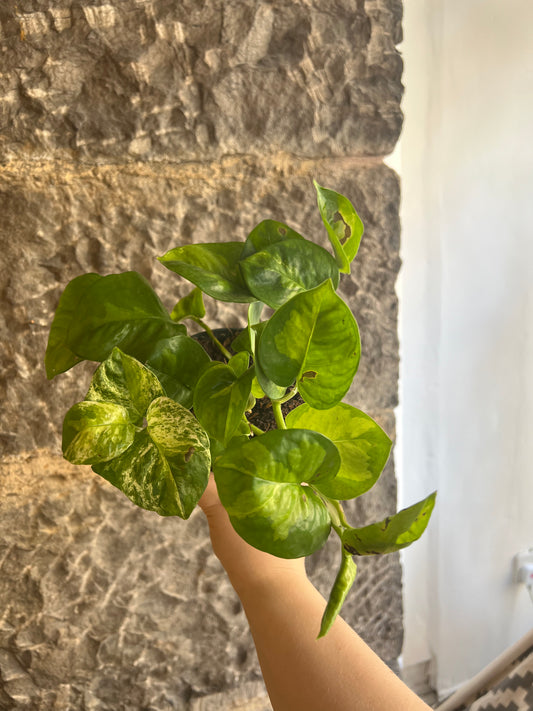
246, 566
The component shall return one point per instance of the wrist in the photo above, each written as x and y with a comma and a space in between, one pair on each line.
274, 576
249, 569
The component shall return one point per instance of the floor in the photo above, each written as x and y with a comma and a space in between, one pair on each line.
417, 679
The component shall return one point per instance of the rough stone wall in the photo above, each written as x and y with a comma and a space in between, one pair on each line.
127, 128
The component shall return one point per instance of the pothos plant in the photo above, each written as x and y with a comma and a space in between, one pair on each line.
159, 414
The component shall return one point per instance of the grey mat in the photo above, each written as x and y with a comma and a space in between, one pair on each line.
512, 693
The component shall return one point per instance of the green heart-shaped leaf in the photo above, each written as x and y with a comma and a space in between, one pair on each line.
117, 310
190, 305
178, 363
239, 363
263, 384
313, 339
270, 389
96, 432
59, 355
212, 267
393, 533
341, 587
247, 338
217, 448
262, 485
266, 233
167, 466
278, 272
342, 223
255, 311
220, 400
242, 343
123, 380
363, 446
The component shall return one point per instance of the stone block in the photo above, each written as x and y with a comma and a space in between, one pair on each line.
247, 697
105, 606
158, 80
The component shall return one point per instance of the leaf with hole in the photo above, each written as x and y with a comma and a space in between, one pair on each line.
264, 486
363, 446
343, 225
312, 340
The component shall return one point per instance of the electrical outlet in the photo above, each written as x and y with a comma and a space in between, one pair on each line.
521, 565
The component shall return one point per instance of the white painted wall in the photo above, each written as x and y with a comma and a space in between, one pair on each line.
466, 299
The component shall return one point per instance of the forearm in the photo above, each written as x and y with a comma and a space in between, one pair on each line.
338, 671
301, 672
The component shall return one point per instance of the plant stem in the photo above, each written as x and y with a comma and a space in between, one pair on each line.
253, 428
337, 529
212, 336
340, 512
336, 522
278, 415
336, 513
288, 396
